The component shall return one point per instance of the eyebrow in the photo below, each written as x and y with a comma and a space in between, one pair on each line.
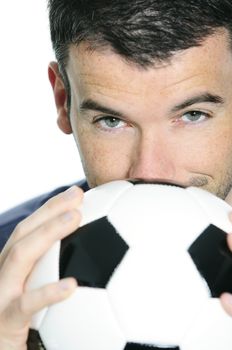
92, 105
202, 98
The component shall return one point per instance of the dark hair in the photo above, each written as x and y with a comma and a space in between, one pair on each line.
141, 31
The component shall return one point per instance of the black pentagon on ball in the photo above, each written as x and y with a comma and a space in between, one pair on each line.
213, 259
134, 346
92, 253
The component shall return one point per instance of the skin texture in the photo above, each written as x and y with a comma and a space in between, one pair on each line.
33, 236
146, 137
149, 139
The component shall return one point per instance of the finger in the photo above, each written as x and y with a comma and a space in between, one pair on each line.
229, 239
25, 253
226, 301
53, 207
70, 199
65, 201
20, 312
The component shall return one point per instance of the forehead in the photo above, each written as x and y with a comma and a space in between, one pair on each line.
105, 72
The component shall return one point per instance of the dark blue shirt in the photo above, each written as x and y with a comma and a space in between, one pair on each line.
10, 218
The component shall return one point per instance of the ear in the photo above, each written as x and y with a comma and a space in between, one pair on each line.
60, 96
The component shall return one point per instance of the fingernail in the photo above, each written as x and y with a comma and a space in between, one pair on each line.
66, 217
67, 284
227, 298
71, 192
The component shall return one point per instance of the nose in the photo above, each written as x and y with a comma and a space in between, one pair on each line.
153, 159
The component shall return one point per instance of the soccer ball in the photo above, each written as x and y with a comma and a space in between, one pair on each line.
151, 261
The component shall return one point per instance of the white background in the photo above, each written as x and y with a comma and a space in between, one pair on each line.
35, 156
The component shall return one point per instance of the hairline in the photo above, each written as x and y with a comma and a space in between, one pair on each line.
101, 47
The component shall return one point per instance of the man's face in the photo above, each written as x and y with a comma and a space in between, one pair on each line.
171, 122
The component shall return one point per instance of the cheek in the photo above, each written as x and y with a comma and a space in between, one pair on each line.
210, 152
102, 160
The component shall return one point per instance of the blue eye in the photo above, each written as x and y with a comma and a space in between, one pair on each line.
109, 123
194, 117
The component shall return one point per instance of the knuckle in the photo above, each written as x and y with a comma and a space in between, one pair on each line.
47, 229
55, 202
50, 204
24, 306
16, 252
19, 229
48, 294
50, 228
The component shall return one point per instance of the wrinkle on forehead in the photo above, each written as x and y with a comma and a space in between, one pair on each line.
108, 87
103, 70
108, 74
171, 85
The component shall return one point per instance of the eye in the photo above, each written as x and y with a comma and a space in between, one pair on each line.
194, 117
109, 123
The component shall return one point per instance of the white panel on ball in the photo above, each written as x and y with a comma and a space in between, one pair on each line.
85, 322
155, 210
156, 294
140, 295
215, 208
98, 201
46, 271
213, 321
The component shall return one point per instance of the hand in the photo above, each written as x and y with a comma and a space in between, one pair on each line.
226, 298
30, 240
